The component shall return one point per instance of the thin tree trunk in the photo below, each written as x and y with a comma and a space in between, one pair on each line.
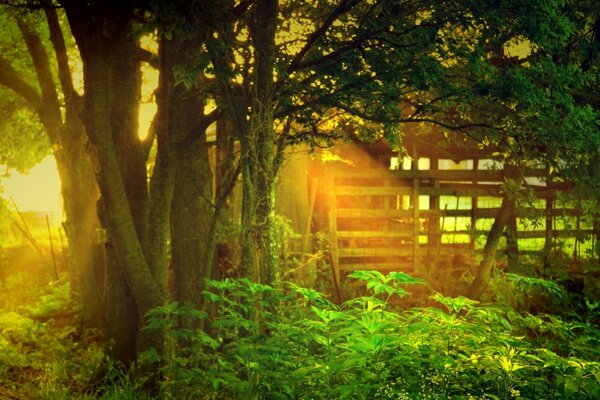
161, 195
259, 241
506, 211
220, 255
486, 266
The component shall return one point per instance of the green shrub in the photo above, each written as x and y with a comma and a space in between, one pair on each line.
42, 354
292, 343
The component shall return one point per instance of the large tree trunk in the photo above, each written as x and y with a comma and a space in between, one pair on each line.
79, 189
111, 84
80, 195
191, 215
192, 208
123, 316
68, 140
259, 241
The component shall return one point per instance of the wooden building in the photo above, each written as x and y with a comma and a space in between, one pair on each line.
386, 211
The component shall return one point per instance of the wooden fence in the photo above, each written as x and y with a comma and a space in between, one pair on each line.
426, 208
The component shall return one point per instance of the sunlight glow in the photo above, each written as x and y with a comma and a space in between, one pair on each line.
148, 103
147, 111
39, 190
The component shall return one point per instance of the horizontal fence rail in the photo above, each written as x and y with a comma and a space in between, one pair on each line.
384, 219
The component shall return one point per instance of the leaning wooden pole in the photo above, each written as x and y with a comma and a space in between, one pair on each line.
52, 247
26, 231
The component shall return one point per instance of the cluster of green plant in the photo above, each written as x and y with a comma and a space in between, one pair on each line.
43, 354
290, 342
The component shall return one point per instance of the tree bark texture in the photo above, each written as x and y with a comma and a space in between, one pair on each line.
505, 213
80, 195
122, 319
224, 257
191, 210
192, 206
67, 137
191, 214
163, 174
111, 84
259, 242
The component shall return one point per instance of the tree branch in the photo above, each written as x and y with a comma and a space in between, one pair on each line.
60, 50
147, 57
191, 136
221, 72
148, 141
10, 78
320, 99
353, 45
313, 136
455, 127
49, 110
344, 7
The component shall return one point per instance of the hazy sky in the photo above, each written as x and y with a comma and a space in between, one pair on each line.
37, 191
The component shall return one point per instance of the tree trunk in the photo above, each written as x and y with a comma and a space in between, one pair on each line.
506, 211
223, 257
67, 137
80, 195
121, 323
596, 227
259, 241
192, 208
486, 266
191, 215
163, 174
111, 84
512, 241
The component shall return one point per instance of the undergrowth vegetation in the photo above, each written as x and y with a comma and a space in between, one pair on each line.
44, 354
288, 342
292, 343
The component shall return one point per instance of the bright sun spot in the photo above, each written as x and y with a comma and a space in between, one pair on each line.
147, 111
39, 190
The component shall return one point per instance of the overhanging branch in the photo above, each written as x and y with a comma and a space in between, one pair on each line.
58, 43
344, 7
11, 79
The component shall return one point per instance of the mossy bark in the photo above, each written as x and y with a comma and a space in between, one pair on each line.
111, 85
259, 167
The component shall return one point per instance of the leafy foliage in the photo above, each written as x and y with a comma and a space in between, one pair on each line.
43, 355
22, 137
292, 343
